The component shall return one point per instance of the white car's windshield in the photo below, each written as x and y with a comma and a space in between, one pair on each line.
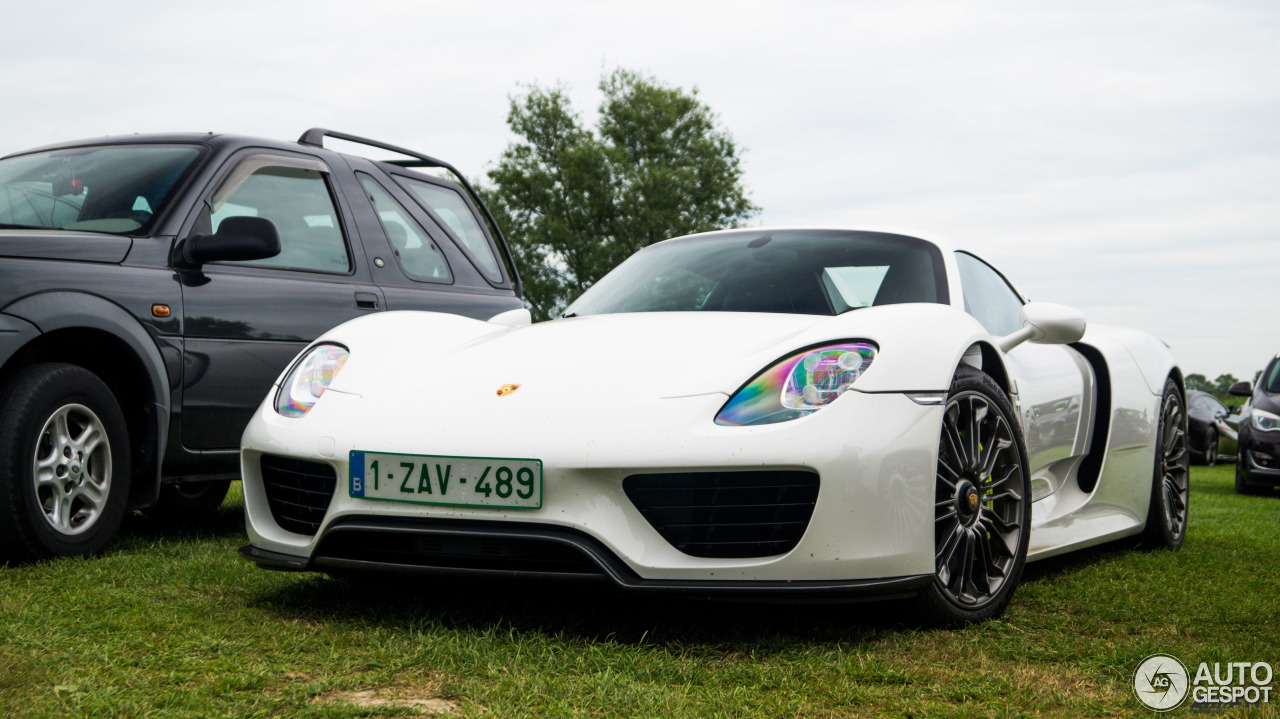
119, 189
813, 272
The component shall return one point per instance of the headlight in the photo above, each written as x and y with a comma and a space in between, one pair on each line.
309, 379
1265, 421
798, 385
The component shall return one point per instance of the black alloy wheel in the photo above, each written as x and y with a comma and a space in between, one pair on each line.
981, 504
1171, 483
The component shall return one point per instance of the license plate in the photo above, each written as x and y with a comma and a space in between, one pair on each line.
440, 479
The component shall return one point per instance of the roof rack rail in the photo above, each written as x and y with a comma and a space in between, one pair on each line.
315, 138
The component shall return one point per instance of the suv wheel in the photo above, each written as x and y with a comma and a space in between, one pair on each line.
64, 463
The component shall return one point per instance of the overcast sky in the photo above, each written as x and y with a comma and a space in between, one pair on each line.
1122, 157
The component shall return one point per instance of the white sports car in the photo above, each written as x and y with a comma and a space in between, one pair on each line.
765, 413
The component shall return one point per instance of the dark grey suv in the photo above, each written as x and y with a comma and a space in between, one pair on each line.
152, 288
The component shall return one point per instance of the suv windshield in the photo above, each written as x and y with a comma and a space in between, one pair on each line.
812, 272
118, 189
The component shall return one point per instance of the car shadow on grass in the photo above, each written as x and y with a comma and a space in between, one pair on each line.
593, 611
226, 522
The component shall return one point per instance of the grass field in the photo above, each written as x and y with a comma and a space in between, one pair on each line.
173, 624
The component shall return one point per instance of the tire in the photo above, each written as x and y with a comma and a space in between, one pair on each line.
1167, 511
1243, 485
189, 502
64, 463
982, 495
1211, 448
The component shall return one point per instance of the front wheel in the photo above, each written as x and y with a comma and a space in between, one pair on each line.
64, 463
1211, 448
982, 505
1171, 480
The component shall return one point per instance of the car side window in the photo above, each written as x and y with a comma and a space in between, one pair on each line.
453, 211
298, 201
988, 297
417, 254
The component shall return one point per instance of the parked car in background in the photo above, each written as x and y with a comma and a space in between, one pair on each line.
1258, 460
1212, 428
786, 414
153, 287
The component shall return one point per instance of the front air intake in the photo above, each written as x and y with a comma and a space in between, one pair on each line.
298, 491
727, 514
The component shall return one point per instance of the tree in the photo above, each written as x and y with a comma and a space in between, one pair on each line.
574, 202
1198, 382
1222, 382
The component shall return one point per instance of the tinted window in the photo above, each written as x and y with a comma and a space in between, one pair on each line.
988, 297
794, 272
417, 254
299, 203
119, 189
1272, 385
456, 215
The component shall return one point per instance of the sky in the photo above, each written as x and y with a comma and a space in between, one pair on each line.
1122, 157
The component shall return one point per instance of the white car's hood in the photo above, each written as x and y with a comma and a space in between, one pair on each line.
447, 360
573, 360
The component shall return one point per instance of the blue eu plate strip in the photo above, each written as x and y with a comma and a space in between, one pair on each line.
357, 474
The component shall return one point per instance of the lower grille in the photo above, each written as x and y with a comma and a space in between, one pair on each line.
444, 549
298, 491
727, 514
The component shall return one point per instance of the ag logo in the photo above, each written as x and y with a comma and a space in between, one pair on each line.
507, 389
1160, 682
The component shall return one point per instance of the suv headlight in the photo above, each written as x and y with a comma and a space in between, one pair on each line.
798, 385
309, 378
1265, 421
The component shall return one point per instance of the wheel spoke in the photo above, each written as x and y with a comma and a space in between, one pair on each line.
966, 566
89, 439
62, 433
953, 438
948, 550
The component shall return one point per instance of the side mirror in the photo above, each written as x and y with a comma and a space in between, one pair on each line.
1046, 323
238, 239
1240, 389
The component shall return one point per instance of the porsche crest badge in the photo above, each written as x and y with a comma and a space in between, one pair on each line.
507, 389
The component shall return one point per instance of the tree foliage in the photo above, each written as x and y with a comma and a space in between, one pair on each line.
574, 202
1224, 381
1198, 382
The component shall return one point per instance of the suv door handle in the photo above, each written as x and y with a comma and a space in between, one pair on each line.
366, 301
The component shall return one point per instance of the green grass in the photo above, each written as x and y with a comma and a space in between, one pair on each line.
173, 624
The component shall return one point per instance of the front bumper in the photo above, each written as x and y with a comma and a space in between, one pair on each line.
1259, 458
871, 528
520, 550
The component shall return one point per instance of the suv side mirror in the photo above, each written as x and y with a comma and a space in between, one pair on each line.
238, 239
1046, 323
1240, 389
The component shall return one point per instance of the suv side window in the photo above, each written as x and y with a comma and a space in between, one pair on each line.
417, 254
448, 207
295, 196
988, 296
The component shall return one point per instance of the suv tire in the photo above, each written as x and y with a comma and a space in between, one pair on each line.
64, 463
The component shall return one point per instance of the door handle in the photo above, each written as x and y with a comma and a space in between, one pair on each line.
366, 301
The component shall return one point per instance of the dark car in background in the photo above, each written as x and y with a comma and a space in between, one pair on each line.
1258, 461
1212, 428
152, 288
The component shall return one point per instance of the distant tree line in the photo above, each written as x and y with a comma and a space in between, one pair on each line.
1218, 386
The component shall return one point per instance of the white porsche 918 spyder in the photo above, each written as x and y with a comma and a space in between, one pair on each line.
815, 414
